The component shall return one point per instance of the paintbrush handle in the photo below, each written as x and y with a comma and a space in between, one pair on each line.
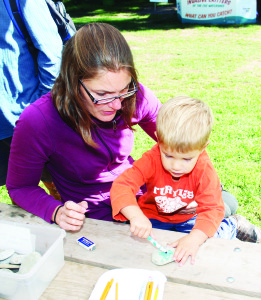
157, 244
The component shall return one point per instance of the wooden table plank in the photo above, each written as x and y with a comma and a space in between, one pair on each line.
76, 282
217, 260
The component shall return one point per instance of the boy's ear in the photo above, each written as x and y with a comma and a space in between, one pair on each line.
207, 143
155, 132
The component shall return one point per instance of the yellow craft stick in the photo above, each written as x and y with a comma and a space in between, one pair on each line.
156, 293
150, 291
147, 291
116, 296
106, 290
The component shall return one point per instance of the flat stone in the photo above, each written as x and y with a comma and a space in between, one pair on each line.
29, 261
6, 254
5, 271
17, 259
5, 261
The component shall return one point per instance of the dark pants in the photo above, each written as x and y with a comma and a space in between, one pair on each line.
5, 146
258, 8
4, 157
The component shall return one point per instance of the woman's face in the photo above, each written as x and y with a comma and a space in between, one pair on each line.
106, 84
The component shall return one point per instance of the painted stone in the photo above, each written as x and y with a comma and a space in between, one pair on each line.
160, 258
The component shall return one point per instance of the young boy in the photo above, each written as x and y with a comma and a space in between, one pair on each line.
177, 171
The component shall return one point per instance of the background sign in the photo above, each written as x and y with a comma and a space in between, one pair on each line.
160, 1
217, 11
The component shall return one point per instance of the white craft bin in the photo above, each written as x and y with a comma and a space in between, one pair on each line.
30, 286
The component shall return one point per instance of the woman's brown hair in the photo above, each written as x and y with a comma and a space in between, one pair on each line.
95, 47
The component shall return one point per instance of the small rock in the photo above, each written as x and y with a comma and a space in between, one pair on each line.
6, 254
5, 271
17, 259
29, 261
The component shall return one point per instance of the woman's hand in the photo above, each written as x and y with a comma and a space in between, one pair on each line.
189, 209
70, 217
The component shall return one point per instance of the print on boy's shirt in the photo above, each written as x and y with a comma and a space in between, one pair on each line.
167, 204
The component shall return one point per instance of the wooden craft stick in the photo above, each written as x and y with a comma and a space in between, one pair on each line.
106, 290
7, 266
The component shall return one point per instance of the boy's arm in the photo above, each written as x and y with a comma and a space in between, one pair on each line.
123, 196
211, 209
140, 225
126, 186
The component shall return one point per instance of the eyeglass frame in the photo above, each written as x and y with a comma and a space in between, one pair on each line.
96, 101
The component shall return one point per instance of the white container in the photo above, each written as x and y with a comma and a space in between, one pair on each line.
30, 286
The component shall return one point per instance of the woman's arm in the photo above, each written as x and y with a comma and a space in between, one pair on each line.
148, 106
32, 145
30, 150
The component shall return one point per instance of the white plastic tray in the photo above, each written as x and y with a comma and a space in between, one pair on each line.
131, 283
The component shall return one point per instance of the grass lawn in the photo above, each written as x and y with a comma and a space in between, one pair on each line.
218, 64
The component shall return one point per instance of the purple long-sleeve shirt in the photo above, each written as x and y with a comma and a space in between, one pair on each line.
79, 171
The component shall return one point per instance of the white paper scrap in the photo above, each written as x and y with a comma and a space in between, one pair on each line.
18, 238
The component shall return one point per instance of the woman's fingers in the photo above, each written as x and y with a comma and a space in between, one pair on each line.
72, 215
84, 204
77, 207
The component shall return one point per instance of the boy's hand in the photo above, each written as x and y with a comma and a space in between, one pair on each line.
141, 226
188, 246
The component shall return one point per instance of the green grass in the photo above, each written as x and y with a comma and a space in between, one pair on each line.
4, 198
218, 64
222, 67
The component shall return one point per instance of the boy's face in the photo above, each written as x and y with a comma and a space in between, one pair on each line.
177, 163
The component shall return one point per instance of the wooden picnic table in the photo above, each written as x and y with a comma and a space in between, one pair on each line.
224, 269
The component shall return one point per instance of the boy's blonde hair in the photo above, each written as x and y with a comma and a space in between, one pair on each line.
184, 124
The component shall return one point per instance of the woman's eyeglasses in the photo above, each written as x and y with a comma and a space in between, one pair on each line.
110, 99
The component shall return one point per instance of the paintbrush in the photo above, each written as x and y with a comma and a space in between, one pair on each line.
157, 244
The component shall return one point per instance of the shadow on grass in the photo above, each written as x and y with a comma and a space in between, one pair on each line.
144, 15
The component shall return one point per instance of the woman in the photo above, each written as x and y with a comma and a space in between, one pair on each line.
82, 130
